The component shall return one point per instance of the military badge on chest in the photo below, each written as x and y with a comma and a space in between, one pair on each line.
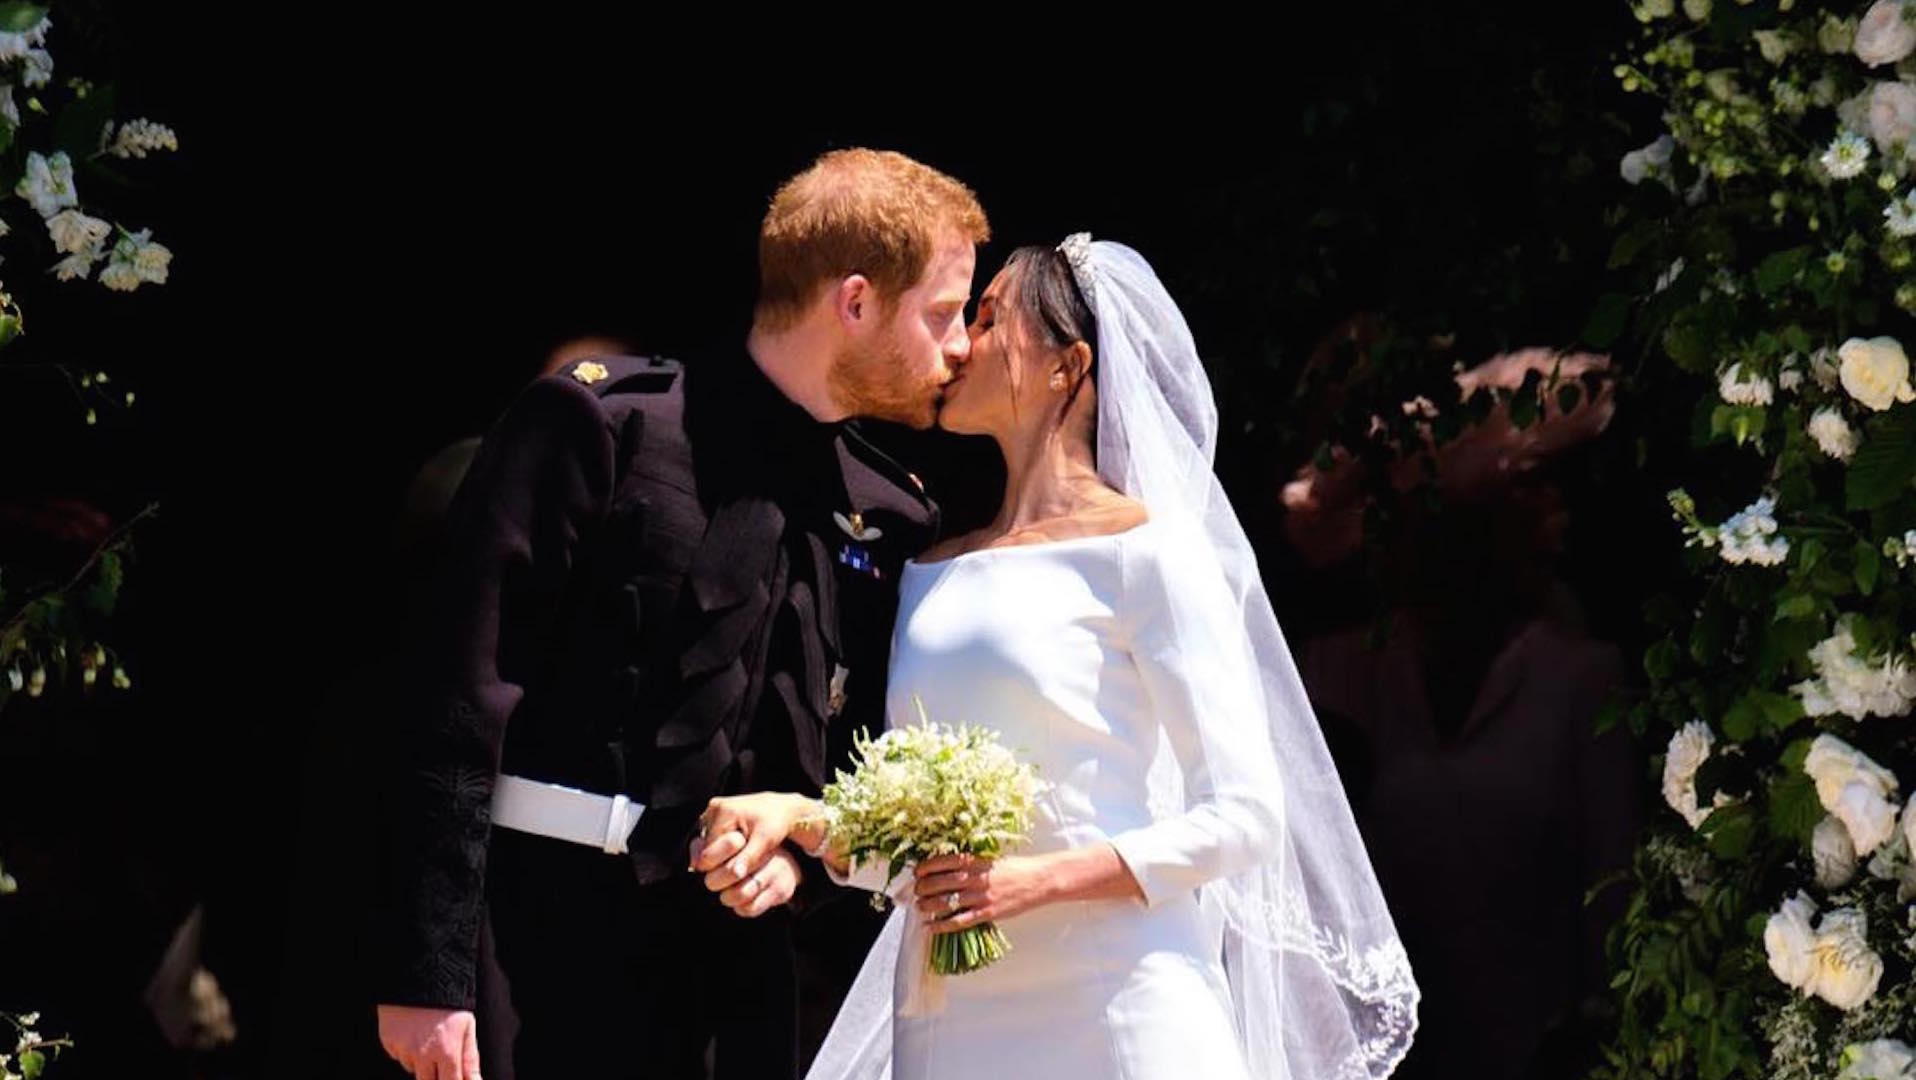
855, 550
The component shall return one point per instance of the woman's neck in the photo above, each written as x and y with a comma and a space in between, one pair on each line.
1048, 476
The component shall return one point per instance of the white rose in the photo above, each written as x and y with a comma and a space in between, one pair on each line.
1892, 114
1834, 853
1875, 371
1908, 828
1835, 764
1791, 943
1689, 749
1697, 10
1882, 1059
1869, 816
1884, 36
1659, 9
1846, 970
1816, 697
1832, 434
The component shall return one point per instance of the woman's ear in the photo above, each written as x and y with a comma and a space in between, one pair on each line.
1076, 362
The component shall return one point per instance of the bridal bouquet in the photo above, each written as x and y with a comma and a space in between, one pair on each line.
928, 790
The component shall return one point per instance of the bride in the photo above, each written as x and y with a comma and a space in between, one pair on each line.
1195, 900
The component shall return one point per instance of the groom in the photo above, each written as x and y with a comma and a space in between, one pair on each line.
663, 583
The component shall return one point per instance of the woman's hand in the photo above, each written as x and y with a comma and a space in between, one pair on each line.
956, 891
987, 890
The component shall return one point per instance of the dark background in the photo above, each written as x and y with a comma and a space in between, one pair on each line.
382, 220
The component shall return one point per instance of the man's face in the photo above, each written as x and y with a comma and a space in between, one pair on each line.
898, 369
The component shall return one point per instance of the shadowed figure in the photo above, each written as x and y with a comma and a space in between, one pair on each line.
1465, 725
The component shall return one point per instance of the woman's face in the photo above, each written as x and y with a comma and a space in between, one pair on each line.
1000, 385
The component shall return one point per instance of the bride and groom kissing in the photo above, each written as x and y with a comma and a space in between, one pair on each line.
670, 594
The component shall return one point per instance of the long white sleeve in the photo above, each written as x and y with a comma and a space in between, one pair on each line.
1189, 644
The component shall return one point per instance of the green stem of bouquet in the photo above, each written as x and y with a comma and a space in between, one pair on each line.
969, 949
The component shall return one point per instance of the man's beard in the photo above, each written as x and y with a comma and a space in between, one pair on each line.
872, 383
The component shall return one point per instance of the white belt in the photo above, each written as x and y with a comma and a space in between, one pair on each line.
563, 813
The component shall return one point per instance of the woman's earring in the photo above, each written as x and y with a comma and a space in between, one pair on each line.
1057, 380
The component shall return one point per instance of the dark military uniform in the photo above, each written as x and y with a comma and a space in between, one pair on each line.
669, 582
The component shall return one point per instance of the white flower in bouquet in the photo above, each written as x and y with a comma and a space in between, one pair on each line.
1789, 375
1867, 815
1852, 113
1689, 749
1790, 941
1847, 156
138, 138
1903, 549
1885, 34
74, 232
136, 261
1775, 45
1824, 368
1791, 99
1891, 861
1855, 790
1692, 867
928, 790
1697, 10
1875, 371
1847, 971
120, 276
1833, 853
1739, 386
1892, 114
1832, 434
1899, 217
38, 70
1855, 686
16, 46
1836, 35
1834, 764
1880, 1059
1749, 536
150, 260
1906, 829
1649, 162
77, 266
48, 183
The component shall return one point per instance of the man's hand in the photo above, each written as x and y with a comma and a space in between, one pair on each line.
431, 1044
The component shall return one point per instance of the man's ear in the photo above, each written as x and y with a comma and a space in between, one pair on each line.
855, 302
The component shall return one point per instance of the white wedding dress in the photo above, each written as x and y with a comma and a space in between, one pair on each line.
1080, 653
1146, 676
